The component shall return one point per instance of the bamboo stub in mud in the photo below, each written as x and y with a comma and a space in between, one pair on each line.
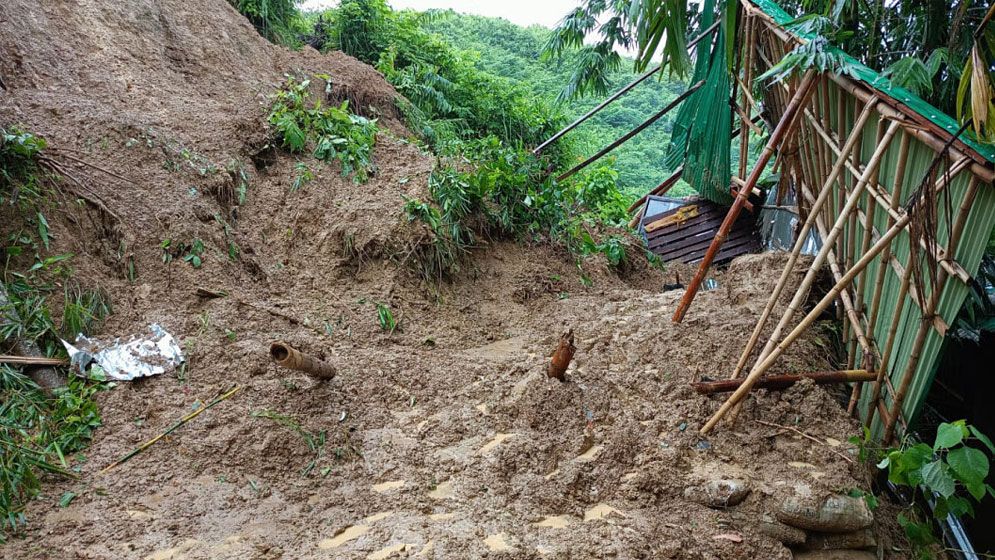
286, 356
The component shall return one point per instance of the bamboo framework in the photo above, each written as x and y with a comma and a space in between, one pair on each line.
903, 208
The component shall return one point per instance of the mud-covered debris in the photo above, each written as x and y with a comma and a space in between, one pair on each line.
719, 493
138, 356
835, 514
856, 540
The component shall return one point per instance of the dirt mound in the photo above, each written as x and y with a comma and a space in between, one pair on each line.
443, 439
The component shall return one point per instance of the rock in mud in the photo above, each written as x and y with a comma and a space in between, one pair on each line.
835, 514
856, 540
835, 555
719, 493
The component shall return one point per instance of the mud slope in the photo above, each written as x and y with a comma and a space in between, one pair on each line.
442, 440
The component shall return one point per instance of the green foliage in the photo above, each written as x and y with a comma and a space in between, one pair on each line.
38, 429
505, 49
189, 252
277, 20
947, 469
450, 98
385, 318
332, 133
915, 75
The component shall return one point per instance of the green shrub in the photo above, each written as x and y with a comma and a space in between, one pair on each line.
951, 472
277, 20
331, 133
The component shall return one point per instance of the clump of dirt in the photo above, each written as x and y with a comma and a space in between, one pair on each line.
441, 439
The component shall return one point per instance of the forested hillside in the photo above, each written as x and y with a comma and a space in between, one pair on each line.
504, 49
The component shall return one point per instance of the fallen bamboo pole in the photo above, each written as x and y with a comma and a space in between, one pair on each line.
785, 381
628, 135
32, 361
221, 397
827, 243
660, 189
809, 223
784, 127
286, 356
618, 94
810, 318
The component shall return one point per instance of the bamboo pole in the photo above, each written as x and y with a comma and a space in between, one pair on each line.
618, 93
811, 317
660, 189
744, 140
785, 381
896, 188
32, 360
786, 124
824, 193
628, 135
941, 280
860, 293
827, 242
779, 349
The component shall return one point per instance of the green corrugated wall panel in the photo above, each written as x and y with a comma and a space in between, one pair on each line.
980, 222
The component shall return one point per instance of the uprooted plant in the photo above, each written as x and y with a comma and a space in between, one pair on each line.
329, 132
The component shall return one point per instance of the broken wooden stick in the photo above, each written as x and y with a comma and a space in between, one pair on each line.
561, 356
286, 356
784, 381
225, 395
32, 361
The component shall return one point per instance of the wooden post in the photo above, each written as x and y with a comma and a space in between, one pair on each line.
786, 124
824, 193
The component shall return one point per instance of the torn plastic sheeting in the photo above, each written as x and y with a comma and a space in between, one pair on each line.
139, 356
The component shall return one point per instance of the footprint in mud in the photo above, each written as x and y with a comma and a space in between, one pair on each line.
498, 439
385, 487
353, 531
497, 543
442, 491
589, 455
554, 522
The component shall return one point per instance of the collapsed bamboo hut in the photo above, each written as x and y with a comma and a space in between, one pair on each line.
898, 192
901, 197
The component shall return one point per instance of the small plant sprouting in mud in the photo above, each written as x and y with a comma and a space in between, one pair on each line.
385, 317
190, 252
315, 440
302, 176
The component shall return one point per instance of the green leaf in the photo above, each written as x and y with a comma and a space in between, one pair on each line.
67, 498
970, 464
983, 438
936, 476
947, 436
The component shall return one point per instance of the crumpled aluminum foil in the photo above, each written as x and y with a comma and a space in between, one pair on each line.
138, 356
